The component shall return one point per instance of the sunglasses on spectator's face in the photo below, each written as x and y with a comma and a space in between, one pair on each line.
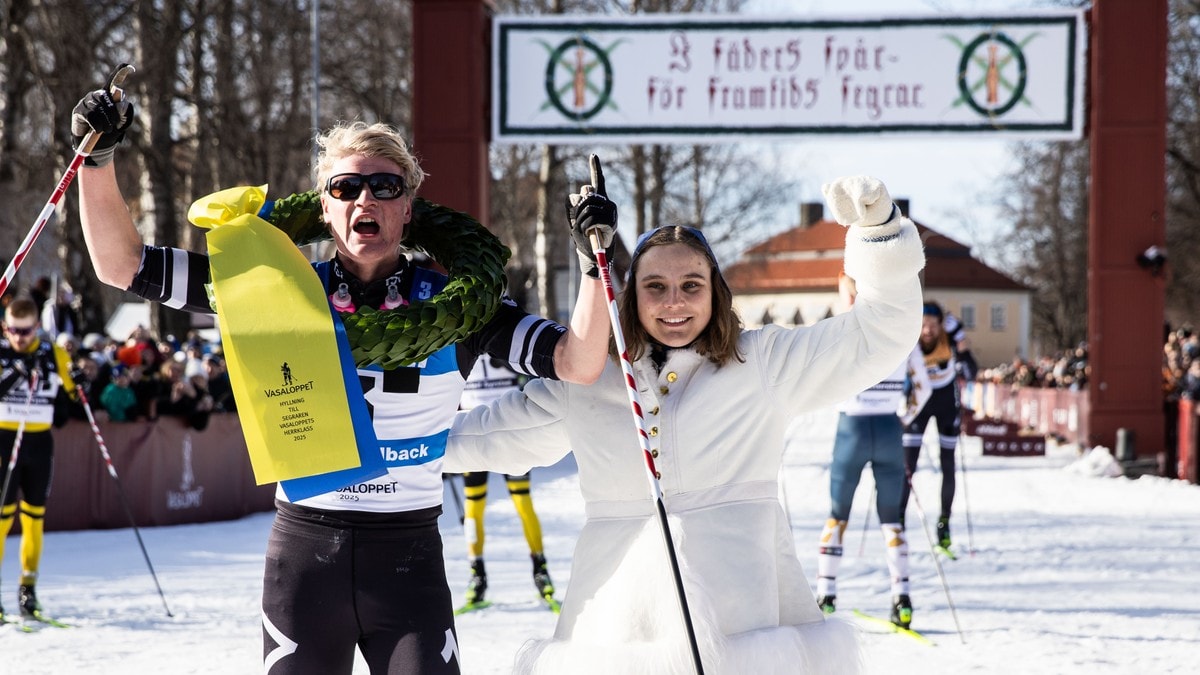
21, 331
348, 186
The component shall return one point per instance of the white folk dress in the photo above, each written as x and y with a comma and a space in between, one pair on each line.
718, 439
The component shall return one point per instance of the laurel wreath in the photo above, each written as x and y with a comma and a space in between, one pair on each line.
474, 260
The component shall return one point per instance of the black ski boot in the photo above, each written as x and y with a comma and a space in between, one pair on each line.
826, 603
943, 531
541, 577
902, 611
477, 586
27, 599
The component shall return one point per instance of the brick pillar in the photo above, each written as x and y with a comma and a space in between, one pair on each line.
1127, 127
451, 105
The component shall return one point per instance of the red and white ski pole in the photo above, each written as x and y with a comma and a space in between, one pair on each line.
85, 149
112, 471
16, 450
639, 422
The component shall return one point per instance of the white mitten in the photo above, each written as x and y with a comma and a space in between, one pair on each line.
859, 200
882, 246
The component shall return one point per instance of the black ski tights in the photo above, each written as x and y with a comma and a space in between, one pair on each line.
948, 472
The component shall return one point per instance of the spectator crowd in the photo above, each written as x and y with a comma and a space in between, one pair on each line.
1069, 368
142, 377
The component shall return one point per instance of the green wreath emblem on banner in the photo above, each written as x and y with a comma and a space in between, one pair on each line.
474, 259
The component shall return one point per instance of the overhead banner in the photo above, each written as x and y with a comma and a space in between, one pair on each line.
708, 79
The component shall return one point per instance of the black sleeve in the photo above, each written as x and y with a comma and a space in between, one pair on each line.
64, 409
8, 379
967, 366
523, 341
174, 277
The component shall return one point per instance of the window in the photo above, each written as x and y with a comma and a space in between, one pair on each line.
968, 316
999, 317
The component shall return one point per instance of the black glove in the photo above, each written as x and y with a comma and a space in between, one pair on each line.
8, 379
17, 369
100, 112
591, 209
80, 376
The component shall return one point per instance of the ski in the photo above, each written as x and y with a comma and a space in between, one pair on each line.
17, 624
946, 552
548, 602
472, 607
40, 617
891, 627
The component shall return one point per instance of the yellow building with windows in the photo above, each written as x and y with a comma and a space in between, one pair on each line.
791, 279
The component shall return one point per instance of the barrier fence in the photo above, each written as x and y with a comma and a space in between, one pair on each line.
171, 473
1064, 413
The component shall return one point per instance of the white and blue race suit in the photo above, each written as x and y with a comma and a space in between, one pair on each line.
362, 565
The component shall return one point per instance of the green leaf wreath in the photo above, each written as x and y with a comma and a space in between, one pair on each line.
474, 260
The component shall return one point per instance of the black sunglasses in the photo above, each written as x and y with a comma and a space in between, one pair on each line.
348, 186
22, 332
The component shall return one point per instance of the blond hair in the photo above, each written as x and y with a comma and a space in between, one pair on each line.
368, 140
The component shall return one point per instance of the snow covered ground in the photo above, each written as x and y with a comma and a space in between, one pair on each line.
1071, 573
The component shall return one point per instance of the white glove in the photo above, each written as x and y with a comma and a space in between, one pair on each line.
859, 200
882, 246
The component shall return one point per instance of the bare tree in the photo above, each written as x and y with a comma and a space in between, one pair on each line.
1045, 196
1046, 199
367, 74
17, 146
51, 57
1183, 163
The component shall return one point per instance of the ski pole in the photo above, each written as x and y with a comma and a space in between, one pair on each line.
933, 554
16, 450
85, 149
862, 541
462, 514
635, 404
962, 462
112, 471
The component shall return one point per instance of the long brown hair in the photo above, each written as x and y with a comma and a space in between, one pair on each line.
718, 340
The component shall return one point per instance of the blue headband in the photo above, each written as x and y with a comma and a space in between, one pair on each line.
645, 237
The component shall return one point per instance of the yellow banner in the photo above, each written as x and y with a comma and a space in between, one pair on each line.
279, 341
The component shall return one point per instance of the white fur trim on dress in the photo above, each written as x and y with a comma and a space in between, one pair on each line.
633, 626
884, 255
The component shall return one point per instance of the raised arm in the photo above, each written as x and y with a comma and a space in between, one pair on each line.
844, 354
113, 242
579, 356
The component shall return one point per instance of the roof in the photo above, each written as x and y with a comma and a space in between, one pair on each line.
810, 259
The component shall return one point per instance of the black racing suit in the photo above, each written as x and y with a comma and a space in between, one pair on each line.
30, 414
